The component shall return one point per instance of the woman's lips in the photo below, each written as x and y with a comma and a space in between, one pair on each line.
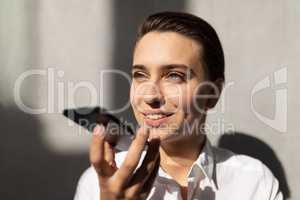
156, 122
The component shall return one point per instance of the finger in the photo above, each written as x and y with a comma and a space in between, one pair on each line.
109, 153
145, 170
132, 157
110, 166
97, 147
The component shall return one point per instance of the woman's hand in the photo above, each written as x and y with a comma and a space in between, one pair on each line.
125, 182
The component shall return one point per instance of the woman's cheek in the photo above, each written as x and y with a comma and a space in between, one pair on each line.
186, 100
173, 96
131, 94
134, 98
178, 97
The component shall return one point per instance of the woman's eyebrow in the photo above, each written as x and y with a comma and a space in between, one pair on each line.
175, 66
140, 67
164, 67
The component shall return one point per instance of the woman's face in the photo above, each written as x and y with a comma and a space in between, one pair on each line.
166, 74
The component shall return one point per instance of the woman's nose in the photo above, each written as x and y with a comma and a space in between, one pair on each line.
153, 96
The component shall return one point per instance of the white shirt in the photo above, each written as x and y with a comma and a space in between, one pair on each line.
217, 174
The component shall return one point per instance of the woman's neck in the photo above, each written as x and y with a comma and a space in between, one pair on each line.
177, 157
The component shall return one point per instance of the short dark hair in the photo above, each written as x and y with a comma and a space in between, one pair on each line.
193, 27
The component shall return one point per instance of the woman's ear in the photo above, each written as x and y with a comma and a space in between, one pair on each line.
208, 94
214, 93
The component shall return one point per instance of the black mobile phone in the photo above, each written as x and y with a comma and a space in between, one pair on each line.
118, 134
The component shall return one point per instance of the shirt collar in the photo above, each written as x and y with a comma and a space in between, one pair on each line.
204, 166
206, 163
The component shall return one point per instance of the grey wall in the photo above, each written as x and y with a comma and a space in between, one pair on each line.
76, 40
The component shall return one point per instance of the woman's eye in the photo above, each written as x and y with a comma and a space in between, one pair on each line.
138, 75
175, 77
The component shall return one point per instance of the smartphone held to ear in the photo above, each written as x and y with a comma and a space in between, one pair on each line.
117, 133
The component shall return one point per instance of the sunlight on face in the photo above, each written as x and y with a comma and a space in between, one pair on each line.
166, 74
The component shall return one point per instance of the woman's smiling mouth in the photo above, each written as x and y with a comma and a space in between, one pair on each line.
156, 119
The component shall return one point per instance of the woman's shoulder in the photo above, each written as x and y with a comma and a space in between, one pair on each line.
228, 158
243, 166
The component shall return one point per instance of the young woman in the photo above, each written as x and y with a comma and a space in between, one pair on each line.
177, 75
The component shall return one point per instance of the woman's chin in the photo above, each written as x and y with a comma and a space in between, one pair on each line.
162, 134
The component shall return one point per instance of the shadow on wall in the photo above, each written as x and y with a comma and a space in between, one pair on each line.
28, 170
242, 143
128, 15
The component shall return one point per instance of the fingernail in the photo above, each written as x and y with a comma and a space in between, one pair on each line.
98, 130
112, 164
147, 132
143, 130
